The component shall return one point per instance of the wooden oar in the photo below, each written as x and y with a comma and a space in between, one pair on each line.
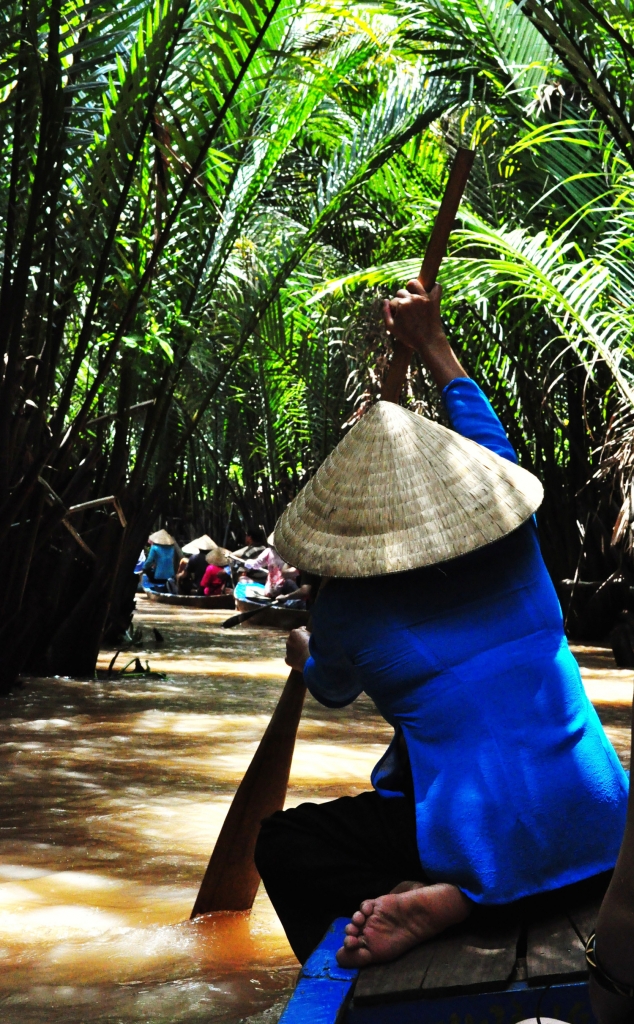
231, 880
235, 620
436, 249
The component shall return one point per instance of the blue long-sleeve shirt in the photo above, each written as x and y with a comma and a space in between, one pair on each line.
517, 788
161, 556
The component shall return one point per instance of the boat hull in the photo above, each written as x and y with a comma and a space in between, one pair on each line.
192, 600
277, 618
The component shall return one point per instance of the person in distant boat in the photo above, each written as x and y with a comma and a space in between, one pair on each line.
216, 579
197, 563
183, 581
500, 783
138, 570
281, 578
160, 562
254, 543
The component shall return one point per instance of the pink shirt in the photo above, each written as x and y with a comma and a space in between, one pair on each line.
273, 563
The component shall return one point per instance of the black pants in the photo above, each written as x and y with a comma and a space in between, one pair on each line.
320, 861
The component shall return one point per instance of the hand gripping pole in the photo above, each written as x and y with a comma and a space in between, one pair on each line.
436, 249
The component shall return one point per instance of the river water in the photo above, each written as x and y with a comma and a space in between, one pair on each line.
112, 794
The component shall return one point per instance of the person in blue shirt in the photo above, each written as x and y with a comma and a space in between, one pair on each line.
500, 783
159, 564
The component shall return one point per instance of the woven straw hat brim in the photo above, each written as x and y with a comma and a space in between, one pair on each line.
204, 543
218, 556
161, 537
400, 492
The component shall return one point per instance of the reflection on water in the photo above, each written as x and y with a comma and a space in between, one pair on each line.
112, 795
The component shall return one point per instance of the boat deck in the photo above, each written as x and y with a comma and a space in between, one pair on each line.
499, 967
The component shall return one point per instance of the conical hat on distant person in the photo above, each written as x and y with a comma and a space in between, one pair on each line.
400, 492
218, 556
161, 537
204, 543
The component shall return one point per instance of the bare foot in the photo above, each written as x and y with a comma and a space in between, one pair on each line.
407, 886
385, 928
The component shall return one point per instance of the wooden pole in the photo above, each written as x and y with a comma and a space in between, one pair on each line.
231, 879
436, 249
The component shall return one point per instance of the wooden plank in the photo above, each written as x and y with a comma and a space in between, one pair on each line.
482, 956
554, 950
469, 958
473, 960
400, 979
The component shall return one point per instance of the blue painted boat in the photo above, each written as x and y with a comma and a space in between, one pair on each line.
249, 597
329, 994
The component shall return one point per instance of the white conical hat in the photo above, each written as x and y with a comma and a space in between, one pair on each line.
204, 543
400, 492
161, 537
218, 556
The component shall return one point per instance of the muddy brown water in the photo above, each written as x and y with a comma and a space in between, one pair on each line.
112, 794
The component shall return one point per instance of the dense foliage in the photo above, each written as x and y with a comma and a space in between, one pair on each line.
202, 204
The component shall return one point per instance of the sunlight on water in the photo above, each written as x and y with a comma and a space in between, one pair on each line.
112, 796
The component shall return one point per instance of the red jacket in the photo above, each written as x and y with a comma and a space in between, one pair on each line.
214, 579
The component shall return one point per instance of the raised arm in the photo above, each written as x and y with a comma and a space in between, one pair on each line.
413, 316
261, 562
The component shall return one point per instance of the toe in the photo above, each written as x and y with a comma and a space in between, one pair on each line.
351, 929
351, 942
363, 956
345, 957
353, 957
358, 918
366, 908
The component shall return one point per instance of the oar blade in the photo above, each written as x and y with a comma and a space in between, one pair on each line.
231, 880
235, 620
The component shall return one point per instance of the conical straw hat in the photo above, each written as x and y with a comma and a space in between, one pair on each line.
161, 537
400, 492
218, 556
204, 543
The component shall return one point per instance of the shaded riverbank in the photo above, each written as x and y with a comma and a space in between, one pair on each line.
111, 797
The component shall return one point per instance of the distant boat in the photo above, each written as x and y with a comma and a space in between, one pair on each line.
278, 618
249, 596
191, 600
